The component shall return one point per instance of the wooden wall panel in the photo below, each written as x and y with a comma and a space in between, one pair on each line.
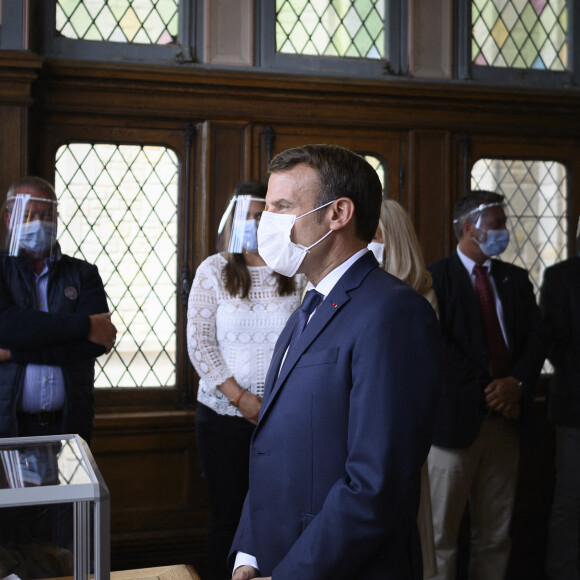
430, 38
224, 164
150, 465
12, 144
430, 192
18, 71
229, 32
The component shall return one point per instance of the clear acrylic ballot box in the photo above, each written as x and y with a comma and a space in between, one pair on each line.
54, 510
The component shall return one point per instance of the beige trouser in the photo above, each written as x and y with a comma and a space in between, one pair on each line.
485, 474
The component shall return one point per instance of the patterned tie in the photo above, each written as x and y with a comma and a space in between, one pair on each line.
308, 306
499, 358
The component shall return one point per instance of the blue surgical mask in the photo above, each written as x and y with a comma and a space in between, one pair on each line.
250, 243
496, 243
37, 237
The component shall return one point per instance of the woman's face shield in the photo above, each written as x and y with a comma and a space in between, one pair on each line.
239, 224
31, 221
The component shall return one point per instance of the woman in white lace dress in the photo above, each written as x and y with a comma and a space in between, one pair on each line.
237, 308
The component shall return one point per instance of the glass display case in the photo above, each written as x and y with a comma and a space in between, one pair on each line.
54, 510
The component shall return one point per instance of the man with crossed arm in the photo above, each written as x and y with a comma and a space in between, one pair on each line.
54, 322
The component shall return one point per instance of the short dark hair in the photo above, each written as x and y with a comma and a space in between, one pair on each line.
341, 173
465, 206
251, 187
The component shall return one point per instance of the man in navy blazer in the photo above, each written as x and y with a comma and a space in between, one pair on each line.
560, 305
475, 450
347, 417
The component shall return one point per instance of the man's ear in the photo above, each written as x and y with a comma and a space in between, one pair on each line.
466, 227
7, 220
341, 213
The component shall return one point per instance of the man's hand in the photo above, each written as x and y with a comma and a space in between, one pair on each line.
502, 396
512, 411
5, 355
102, 331
249, 407
245, 573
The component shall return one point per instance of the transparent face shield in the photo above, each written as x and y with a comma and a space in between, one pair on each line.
31, 221
476, 213
238, 227
495, 241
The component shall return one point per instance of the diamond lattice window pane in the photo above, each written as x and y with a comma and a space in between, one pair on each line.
529, 34
130, 21
118, 210
344, 28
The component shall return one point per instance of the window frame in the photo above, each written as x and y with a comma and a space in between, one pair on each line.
466, 70
182, 394
394, 63
129, 249
187, 49
12, 25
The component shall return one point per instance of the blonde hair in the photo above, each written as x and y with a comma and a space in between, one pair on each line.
402, 256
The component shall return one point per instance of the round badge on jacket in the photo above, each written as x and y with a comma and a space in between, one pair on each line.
71, 293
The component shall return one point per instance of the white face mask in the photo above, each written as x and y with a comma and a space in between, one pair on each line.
378, 250
274, 243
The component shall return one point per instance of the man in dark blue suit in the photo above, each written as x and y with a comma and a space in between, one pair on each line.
493, 355
560, 305
347, 417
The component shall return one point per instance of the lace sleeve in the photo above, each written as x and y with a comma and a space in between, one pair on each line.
202, 346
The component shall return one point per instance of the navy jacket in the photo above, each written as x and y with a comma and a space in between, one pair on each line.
75, 290
466, 365
343, 432
560, 304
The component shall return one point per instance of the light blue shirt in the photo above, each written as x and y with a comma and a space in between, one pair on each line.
43, 384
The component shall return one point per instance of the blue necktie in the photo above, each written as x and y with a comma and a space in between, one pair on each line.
308, 306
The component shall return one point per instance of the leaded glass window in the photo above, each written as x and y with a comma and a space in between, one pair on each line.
129, 21
380, 167
523, 34
536, 196
344, 28
118, 210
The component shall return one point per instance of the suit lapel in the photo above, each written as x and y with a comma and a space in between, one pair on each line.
326, 311
502, 280
465, 294
465, 290
278, 356
330, 307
